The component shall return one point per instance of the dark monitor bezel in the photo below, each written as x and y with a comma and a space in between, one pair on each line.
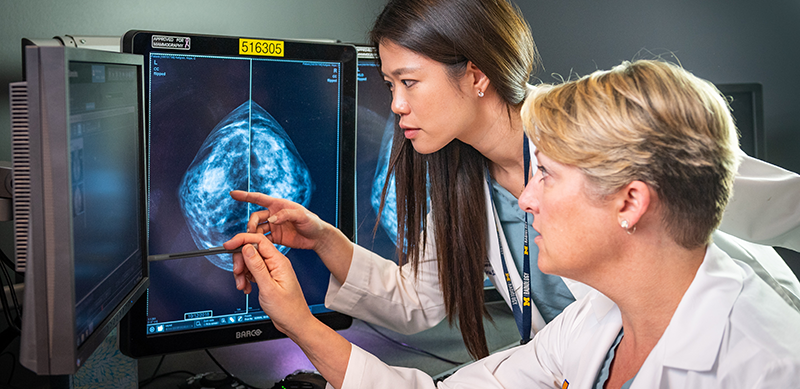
133, 340
49, 339
757, 137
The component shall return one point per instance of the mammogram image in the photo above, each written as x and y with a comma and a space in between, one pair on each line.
389, 216
246, 150
218, 124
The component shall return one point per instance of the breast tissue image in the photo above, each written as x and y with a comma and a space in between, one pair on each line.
388, 218
246, 149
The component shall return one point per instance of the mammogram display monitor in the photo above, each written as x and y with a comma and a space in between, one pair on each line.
227, 113
79, 205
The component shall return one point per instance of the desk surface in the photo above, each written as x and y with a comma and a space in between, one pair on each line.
264, 363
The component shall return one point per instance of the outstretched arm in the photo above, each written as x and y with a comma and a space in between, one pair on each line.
282, 299
377, 290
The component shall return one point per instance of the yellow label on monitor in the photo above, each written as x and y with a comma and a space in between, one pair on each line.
261, 47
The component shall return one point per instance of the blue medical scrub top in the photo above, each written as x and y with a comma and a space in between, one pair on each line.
605, 368
549, 292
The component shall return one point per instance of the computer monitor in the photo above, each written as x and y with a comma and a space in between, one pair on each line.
376, 124
747, 106
79, 210
224, 113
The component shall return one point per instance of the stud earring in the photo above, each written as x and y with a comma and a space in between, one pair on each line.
480, 93
624, 224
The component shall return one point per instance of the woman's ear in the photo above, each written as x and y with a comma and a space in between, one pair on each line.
632, 202
480, 83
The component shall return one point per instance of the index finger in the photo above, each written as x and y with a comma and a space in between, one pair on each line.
253, 198
265, 246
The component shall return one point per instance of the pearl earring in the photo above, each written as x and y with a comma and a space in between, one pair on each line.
624, 224
480, 93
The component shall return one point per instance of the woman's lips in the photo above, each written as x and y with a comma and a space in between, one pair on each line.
410, 133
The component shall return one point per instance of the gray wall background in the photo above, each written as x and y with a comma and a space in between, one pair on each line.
724, 41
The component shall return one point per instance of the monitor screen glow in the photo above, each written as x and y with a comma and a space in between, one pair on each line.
376, 124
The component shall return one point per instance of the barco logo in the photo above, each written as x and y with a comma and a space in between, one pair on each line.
248, 334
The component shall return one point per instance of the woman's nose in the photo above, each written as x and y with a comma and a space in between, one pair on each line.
399, 104
528, 200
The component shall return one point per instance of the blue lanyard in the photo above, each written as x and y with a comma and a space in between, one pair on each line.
522, 312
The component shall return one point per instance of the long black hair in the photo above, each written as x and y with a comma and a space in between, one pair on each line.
492, 35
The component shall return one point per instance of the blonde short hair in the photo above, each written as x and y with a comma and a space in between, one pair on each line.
649, 121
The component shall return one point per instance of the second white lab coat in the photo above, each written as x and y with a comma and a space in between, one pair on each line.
730, 330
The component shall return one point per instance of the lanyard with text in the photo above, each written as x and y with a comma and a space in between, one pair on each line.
522, 312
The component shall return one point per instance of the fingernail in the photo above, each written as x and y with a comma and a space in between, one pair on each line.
272, 219
248, 250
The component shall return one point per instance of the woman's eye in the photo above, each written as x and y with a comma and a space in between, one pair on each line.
543, 170
408, 83
389, 85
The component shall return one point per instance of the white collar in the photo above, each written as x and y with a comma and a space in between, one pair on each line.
693, 338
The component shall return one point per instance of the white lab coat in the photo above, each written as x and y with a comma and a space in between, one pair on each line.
730, 330
378, 291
